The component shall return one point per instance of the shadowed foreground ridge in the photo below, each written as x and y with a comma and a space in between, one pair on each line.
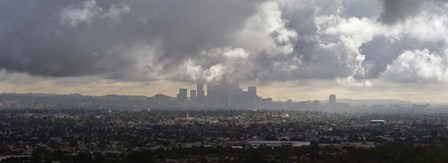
221, 136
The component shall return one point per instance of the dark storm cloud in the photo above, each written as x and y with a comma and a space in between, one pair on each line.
207, 40
398, 10
73, 38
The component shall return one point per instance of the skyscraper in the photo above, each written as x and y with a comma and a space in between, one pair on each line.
223, 94
332, 99
252, 92
216, 94
183, 95
193, 96
200, 94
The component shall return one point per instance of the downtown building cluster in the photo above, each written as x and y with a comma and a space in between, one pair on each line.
223, 95
231, 96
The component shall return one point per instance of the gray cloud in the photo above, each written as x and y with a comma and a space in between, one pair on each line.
208, 40
71, 38
396, 10
377, 59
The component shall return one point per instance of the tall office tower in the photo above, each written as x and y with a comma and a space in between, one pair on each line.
252, 92
233, 91
200, 93
215, 94
222, 94
332, 99
182, 96
193, 96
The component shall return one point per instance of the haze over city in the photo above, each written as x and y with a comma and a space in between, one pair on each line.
289, 49
234, 81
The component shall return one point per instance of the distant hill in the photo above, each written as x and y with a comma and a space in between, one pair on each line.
376, 102
73, 101
78, 101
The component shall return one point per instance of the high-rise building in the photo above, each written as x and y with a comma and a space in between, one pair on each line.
183, 95
332, 99
216, 94
200, 94
252, 93
223, 94
252, 90
193, 96
233, 91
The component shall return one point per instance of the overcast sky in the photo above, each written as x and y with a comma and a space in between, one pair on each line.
298, 49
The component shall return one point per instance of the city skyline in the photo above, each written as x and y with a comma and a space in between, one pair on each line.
289, 49
189, 91
278, 94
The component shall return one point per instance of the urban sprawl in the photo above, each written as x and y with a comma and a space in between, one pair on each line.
226, 124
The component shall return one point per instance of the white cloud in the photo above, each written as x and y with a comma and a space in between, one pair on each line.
429, 27
352, 82
215, 73
88, 11
419, 66
266, 31
355, 31
84, 12
236, 53
116, 11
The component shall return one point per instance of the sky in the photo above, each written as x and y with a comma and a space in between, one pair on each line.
289, 49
